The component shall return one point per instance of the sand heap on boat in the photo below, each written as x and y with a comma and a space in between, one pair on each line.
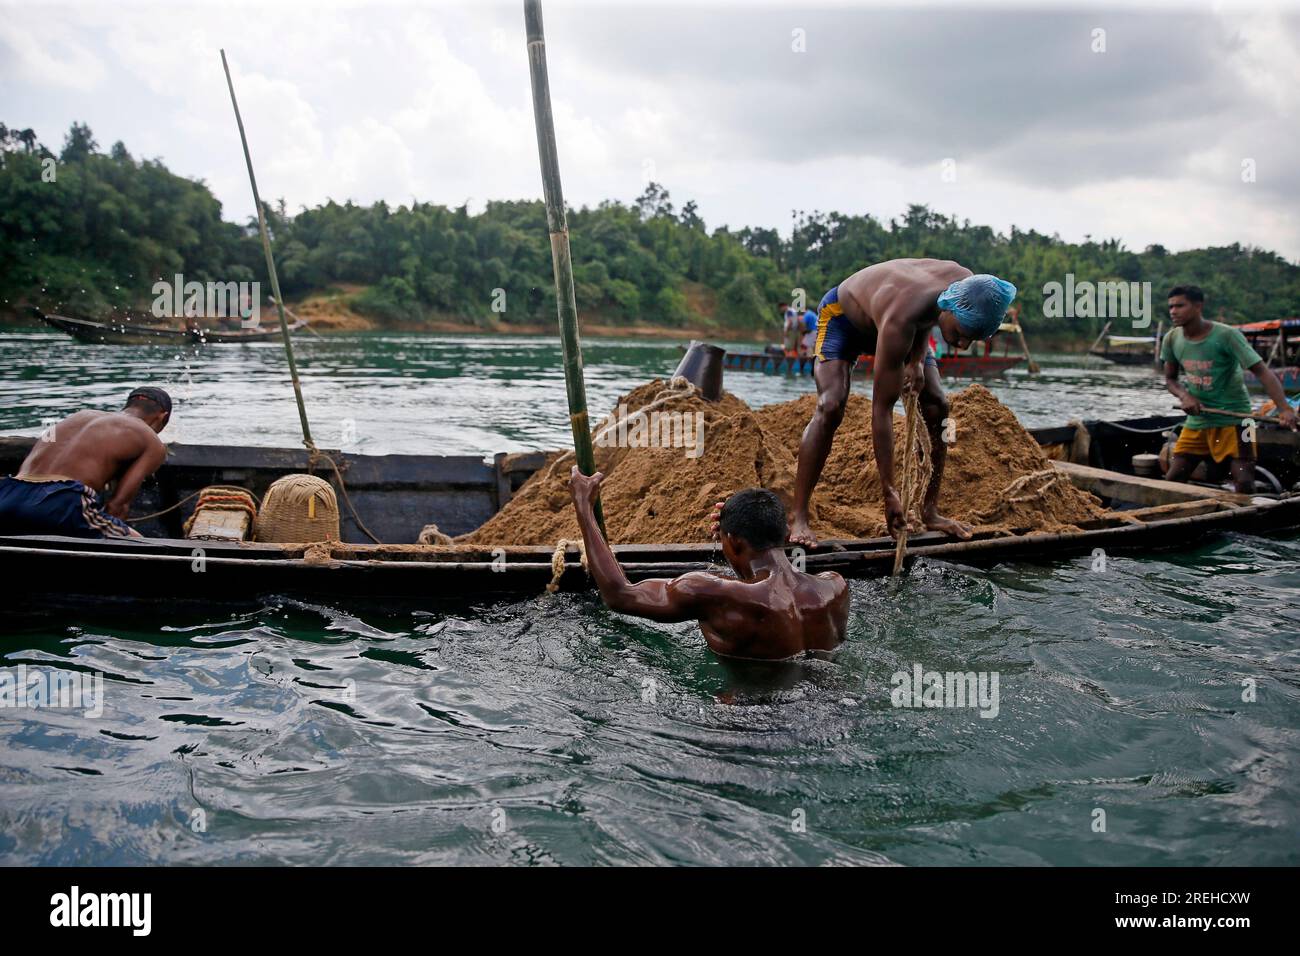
996, 475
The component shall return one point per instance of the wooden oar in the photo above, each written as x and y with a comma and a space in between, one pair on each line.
1243, 415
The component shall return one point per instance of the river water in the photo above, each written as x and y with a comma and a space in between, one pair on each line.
1147, 711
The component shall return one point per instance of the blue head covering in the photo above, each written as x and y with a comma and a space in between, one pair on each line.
979, 303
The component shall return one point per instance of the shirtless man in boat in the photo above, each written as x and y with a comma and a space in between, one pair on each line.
58, 489
769, 611
888, 310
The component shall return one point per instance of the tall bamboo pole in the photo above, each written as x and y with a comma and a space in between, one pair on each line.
557, 224
270, 265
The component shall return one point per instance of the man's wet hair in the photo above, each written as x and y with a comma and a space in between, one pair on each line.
1192, 293
757, 516
151, 399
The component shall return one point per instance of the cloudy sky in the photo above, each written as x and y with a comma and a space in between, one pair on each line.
1021, 113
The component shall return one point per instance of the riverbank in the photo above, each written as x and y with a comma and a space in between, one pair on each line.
332, 310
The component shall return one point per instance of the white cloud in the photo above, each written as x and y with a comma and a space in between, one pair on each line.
432, 102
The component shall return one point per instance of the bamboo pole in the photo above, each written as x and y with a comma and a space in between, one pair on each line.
1030, 365
1104, 329
270, 265
557, 224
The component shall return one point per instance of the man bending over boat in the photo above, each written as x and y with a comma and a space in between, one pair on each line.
769, 611
59, 488
887, 310
1212, 355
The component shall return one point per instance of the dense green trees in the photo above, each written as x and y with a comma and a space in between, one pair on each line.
86, 230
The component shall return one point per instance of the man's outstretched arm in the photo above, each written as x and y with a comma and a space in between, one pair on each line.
659, 599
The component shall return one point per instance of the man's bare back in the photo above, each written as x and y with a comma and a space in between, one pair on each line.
900, 292
58, 488
769, 611
93, 447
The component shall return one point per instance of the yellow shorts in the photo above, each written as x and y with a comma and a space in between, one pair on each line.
1218, 443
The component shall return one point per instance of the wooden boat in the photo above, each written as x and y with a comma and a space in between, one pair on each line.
396, 495
128, 331
267, 332
1111, 446
951, 366
117, 333
1127, 349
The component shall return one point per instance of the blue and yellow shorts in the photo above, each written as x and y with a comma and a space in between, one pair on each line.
55, 505
838, 338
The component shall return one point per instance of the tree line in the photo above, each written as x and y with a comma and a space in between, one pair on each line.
88, 232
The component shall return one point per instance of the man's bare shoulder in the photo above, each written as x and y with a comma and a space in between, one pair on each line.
118, 426
703, 583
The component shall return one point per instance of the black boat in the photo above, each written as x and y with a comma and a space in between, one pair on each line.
397, 495
129, 330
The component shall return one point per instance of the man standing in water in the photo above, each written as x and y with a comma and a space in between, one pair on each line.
59, 486
769, 611
887, 310
1212, 355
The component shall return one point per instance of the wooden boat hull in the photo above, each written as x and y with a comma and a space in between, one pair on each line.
1112, 445
178, 570
951, 366
398, 494
268, 332
130, 333
120, 333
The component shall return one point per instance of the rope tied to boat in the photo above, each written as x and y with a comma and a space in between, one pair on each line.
167, 510
314, 456
558, 561
917, 470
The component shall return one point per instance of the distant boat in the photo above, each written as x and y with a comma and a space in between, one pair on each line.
127, 332
1126, 349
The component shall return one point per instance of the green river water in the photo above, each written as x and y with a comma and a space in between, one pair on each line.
550, 731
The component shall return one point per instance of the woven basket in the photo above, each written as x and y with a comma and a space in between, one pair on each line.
299, 509
223, 512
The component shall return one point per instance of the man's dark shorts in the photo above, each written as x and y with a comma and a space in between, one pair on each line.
55, 505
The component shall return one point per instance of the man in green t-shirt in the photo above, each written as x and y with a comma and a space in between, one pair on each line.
1211, 356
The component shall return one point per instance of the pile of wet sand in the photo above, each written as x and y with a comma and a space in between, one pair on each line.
996, 475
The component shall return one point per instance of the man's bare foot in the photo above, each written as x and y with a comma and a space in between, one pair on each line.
958, 529
800, 533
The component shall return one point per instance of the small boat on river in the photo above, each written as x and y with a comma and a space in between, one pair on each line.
397, 495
